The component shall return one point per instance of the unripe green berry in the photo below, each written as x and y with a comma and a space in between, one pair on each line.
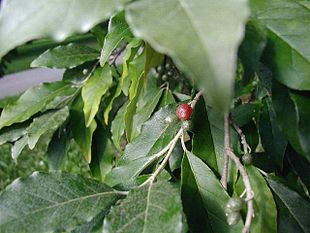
247, 159
164, 77
233, 218
235, 204
187, 125
160, 69
168, 66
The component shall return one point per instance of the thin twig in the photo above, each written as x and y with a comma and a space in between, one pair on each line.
172, 144
226, 150
245, 178
246, 147
195, 100
249, 191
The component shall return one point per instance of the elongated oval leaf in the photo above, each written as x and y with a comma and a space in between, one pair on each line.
264, 205
48, 122
201, 36
204, 198
52, 202
287, 53
95, 87
150, 209
22, 21
33, 101
82, 135
118, 31
295, 208
13, 133
156, 134
66, 56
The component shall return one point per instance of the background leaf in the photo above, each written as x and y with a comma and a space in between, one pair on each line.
117, 32
264, 205
154, 208
204, 198
206, 50
33, 101
287, 53
82, 135
66, 56
294, 211
52, 202
93, 90
57, 19
48, 122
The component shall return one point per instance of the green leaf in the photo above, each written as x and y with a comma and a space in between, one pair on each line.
66, 56
117, 32
82, 135
292, 111
296, 210
93, 90
93, 226
13, 133
302, 108
48, 122
264, 205
52, 202
204, 198
243, 114
136, 68
202, 140
57, 149
287, 51
152, 59
156, 134
57, 19
18, 147
273, 141
202, 41
118, 127
102, 153
152, 209
147, 101
216, 121
130, 52
33, 101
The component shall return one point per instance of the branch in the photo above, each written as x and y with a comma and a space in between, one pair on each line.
195, 100
172, 144
249, 191
244, 174
226, 150
245, 145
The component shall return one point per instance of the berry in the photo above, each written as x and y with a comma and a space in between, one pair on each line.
247, 159
184, 112
233, 218
160, 69
164, 77
235, 204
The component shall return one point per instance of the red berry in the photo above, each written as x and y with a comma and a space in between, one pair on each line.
184, 112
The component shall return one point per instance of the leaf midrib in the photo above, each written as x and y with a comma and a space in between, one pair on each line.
64, 203
35, 106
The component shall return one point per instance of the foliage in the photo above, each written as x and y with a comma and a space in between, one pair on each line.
242, 66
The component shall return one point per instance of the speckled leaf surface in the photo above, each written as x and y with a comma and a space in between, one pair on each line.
150, 209
33, 101
65, 56
155, 135
22, 21
52, 202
